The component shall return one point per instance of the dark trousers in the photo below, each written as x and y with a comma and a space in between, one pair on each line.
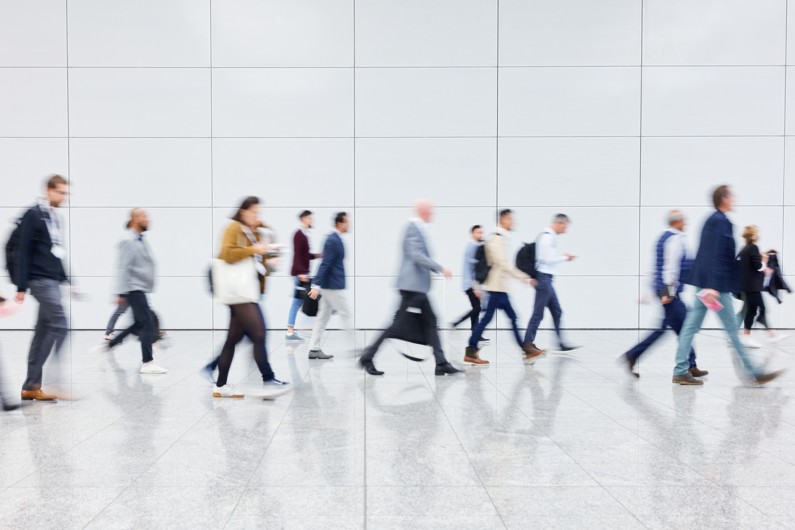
675, 314
143, 324
754, 309
421, 302
545, 298
51, 328
245, 320
474, 314
120, 310
496, 301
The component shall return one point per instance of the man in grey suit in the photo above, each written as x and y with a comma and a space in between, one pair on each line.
414, 282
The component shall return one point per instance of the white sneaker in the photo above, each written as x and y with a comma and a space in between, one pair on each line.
777, 338
152, 368
748, 342
226, 391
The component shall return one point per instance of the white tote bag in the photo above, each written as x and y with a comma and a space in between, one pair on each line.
235, 283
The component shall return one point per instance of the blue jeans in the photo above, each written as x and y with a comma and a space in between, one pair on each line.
693, 322
496, 301
675, 314
294, 306
545, 298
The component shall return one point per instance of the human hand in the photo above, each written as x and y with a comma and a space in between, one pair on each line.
570, 257
19, 298
303, 278
447, 274
260, 249
667, 300
314, 292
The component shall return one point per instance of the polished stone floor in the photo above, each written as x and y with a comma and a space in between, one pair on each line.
572, 442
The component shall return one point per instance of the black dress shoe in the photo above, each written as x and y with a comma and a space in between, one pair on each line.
630, 363
446, 368
370, 368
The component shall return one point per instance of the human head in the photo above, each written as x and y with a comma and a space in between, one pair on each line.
722, 199
506, 219
560, 223
248, 212
424, 208
676, 219
139, 220
751, 234
306, 219
477, 233
341, 222
57, 190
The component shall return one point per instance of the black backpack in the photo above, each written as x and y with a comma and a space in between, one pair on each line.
11, 248
482, 266
526, 258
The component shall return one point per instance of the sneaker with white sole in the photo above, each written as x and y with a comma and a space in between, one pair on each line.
293, 337
152, 368
748, 342
227, 391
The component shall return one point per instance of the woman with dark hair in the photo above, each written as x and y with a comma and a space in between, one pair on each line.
753, 270
242, 241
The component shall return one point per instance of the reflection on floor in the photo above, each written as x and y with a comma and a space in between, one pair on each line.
572, 442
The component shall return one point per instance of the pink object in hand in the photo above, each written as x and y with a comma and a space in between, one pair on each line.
713, 305
7, 308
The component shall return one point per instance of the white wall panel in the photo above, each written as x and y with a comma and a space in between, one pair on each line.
33, 33
421, 33
283, 102
140, 33
570, 32
450, 171
154, 102
569, 101
292, 172
569, 171
129, 172
715, 32
282, 33
27, 162
33, 102
401, 102
713, 101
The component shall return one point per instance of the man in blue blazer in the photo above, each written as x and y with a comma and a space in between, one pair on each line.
330, 278
715, 272
414, 282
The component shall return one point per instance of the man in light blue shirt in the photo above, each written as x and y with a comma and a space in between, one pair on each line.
469, 285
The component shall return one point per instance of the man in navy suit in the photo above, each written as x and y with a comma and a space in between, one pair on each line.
330, 278
715, 272
414, 282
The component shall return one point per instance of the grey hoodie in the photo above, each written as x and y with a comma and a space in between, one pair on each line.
136, 265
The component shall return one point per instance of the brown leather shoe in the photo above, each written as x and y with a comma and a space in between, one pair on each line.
766, 378
695, 372
38, 395
472, 357
530, 348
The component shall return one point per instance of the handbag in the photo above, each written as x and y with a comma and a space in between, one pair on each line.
235, 283
408, 326
310, 307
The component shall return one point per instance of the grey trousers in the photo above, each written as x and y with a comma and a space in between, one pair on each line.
51, 328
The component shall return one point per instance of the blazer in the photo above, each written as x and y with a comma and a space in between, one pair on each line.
34, 251
416, 265
777, 282
715, 266
331, 274
235, 247
136, 265
501, 267
752, 280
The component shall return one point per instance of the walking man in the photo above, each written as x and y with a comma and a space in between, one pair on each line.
38, 265
715, 272
136, 279
414, 282
547, 260
471, 289
671, 268
496, 285
300, 270
330, 279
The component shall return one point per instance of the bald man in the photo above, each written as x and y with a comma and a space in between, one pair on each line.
136, 279
414, 282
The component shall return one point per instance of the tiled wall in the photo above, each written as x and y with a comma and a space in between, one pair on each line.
612, 111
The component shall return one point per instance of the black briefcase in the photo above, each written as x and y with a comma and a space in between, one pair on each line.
409, 327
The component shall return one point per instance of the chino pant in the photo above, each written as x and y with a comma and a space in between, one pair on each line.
331, 301
51, 328
545, 298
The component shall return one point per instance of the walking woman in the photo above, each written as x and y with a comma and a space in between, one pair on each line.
753, 271
242, 241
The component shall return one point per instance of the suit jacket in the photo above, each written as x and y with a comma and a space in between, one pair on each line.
752, 280
416, 265
331, 274
715, 266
